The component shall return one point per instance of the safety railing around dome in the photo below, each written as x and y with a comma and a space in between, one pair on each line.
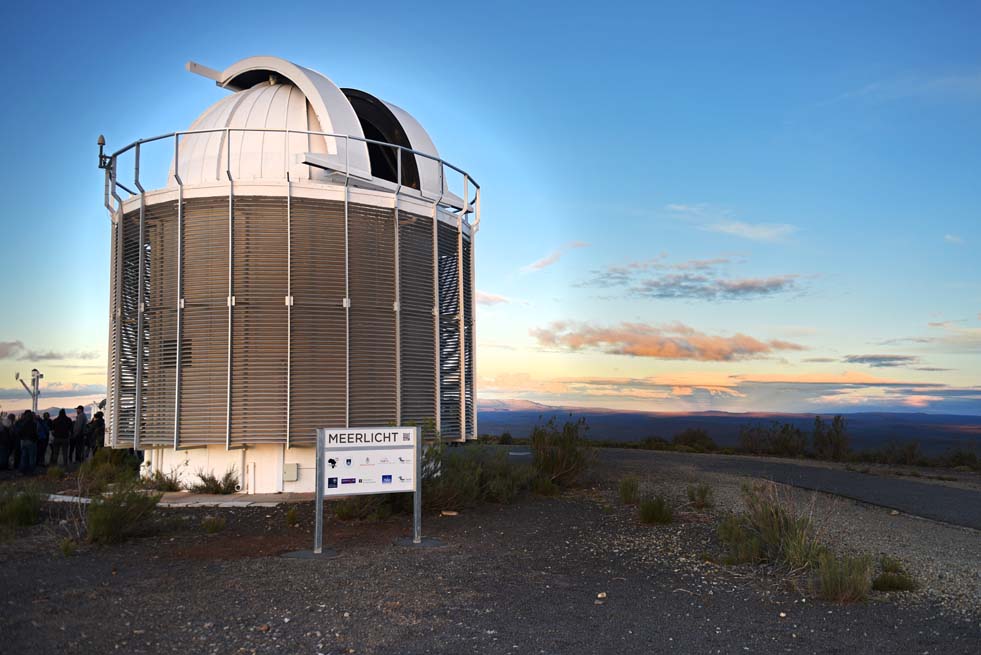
110, 164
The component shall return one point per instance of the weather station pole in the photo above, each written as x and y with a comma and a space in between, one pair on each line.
34, 391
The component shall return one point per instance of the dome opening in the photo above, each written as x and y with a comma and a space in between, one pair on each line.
380, 124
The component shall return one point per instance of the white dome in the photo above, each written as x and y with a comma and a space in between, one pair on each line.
274, 94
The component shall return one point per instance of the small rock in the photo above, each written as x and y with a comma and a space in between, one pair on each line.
264, 627
783, 615
448, 512
894, 513
601, 594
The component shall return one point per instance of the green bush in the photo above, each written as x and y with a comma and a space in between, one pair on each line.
561, 455
545, 487
106, 467
893, 576
830, 442
292, 517
743, 546
700, 496
160, 481
373, 507
843, 579
781, 439
116, 517
213, 524
67, 546
55, 472
695, 438
212, 484
629, 490
506, 439
655, 510
20, 507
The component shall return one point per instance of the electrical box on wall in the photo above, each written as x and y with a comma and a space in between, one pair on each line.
291, 472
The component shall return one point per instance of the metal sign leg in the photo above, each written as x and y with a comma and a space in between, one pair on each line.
417, 496
318, 533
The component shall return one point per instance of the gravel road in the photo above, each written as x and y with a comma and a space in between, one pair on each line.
525, 578
953, 505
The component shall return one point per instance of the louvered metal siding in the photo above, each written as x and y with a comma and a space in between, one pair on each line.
372, 334
204, 322
159, 325
112, 394
417, 337
449, 331
468, 335
318, 340
260, 326
300, 359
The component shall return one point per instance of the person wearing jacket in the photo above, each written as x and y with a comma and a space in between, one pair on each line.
61, 434
96, 433
6, 445
26, 431
76, 445
15, 443
43, 424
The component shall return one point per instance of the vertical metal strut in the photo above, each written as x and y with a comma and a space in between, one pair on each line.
180, 290
347, 292
397, 307
289, 296
231, 291
461, 322
141, 299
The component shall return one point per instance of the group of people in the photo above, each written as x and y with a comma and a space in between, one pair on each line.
26, 440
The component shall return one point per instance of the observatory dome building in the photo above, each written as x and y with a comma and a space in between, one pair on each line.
302, 259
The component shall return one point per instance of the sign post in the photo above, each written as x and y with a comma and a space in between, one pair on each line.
359, 461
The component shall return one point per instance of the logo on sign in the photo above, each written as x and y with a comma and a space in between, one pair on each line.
332, 483
386, 479
406, 437
349, 480
366, 481
332, 462
401, 479
348, 462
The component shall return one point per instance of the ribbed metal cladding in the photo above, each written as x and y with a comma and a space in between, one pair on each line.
204, 339
259, 321
289, 371
318, 340
112, 393
416, 324
159, 325
372, 334
467, 336
449, 330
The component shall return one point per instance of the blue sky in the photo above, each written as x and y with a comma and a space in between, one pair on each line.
765, 207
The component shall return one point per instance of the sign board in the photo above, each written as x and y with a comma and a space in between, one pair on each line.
355, 461
369, 460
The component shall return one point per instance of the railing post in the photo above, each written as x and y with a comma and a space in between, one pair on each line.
231, 289
180, 289
461, 314
140, 308
289, 289
398, 287
347, 290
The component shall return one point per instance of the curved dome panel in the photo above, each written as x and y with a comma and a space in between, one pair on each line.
429, 169
274, 94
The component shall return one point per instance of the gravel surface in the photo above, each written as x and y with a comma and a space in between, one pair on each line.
574, 574
956, 505
945, 559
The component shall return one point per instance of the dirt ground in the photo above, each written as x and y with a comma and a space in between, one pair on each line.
573, 574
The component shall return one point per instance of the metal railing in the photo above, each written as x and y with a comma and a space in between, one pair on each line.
111, 165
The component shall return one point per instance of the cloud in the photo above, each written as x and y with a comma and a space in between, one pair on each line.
699, 279
55, 390
17, 350
753, 231
721, 220
821, 360
553, 257
671, 341
882, 361
491, 298
940, 87
954, 239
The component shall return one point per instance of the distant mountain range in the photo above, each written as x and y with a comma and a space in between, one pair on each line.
936, 433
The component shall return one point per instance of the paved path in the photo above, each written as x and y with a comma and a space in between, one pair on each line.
952, 505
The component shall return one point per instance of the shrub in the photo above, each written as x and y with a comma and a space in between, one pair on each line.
783, 439
292, 517
544, 487
695, 438
787, 536
700, 496
20, 507
843, 579
655, 510
160, 481
893, 576
213, 524
561, 455
830, 442
374, 508
629, 490
743, 546
506, 439
67, 546
655, 443
106, 467
211, 484
55, 472
116, 517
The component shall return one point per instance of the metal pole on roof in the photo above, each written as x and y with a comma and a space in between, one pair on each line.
140, 306
231, 291
180, 293
397, 306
